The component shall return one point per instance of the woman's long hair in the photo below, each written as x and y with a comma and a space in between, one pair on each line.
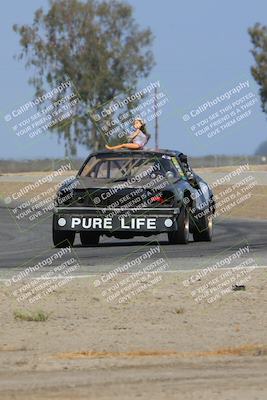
144, 130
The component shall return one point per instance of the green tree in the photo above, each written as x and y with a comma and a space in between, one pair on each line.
98, 45
262, 149
258, 35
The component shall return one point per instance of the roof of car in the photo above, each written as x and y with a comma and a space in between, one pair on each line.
145, 151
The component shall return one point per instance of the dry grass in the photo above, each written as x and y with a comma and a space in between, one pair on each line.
36, 316
179, 310
248, 349
39, 173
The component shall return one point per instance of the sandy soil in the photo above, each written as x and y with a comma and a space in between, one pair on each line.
253, 206
229, 168
160, 344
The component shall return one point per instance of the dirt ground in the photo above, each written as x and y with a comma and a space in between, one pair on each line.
163, 343
230, 168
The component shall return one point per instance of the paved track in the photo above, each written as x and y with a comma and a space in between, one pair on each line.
19, 249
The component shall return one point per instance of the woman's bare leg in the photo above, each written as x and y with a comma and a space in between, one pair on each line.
132, 146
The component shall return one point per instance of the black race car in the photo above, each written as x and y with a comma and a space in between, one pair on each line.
133, 193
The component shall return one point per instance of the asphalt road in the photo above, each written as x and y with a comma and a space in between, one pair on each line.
22, 248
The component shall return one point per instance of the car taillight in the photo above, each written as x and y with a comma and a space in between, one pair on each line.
157, 199
165, 198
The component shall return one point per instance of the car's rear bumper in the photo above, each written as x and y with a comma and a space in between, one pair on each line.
115, 220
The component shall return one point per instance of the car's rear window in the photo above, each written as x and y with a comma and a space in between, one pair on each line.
117, 167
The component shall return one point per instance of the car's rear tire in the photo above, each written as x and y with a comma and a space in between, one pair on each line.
204, 230
63, 238
181, 236
89, 238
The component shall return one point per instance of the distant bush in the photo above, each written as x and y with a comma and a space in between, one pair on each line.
9, 166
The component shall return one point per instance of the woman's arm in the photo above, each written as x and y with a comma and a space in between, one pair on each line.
134, 134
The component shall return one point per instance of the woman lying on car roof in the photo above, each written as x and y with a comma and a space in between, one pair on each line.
138, 139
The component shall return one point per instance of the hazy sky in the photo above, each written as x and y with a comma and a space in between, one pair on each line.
202, 50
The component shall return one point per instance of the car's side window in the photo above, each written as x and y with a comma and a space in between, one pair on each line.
101, 170
89, 168
117, 169
177, 166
